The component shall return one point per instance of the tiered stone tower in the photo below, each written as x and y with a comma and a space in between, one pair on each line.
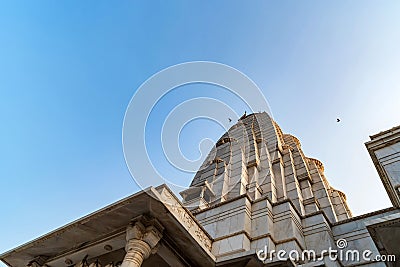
255, 158
256, 188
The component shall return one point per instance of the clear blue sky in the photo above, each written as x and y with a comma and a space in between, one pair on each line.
69, 68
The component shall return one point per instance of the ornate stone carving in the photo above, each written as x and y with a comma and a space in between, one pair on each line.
184, 217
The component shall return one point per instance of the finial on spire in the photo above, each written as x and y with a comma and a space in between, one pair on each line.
244, 115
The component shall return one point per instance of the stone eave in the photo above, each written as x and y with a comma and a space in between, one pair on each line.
385, 233
383, 133
366, 215
111, 222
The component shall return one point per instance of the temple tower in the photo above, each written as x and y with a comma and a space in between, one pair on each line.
255, 158
256, 188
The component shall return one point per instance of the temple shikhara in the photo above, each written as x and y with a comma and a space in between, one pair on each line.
256, 194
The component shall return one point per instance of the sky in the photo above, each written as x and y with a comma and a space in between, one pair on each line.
68, 70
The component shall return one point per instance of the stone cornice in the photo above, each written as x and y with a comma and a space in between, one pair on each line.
381, 134
363, 216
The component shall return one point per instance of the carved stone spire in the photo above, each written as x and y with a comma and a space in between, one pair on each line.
256, 158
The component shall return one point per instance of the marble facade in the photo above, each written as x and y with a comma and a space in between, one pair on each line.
256, 191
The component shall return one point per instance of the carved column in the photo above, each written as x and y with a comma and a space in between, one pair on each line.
142, 237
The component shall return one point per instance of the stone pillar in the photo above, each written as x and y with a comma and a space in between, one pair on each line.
142, 237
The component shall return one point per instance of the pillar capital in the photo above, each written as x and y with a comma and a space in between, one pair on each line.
135, 231
142, 236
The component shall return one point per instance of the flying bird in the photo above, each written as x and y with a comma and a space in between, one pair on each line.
230, 120
337, 120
